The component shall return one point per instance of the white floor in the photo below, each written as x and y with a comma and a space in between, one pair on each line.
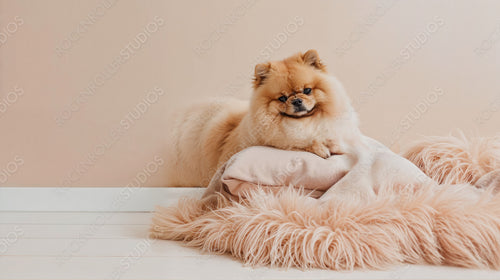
114, 245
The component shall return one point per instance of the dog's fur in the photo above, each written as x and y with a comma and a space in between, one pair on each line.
208, 134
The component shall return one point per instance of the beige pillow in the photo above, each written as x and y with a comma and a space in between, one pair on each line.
271, 169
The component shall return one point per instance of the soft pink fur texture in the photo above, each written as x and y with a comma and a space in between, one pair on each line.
453, 225
455, 159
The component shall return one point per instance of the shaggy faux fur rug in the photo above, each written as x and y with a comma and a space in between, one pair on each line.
449, 224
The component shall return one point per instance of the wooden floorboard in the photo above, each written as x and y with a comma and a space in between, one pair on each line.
72, 245
75, 218
202, 267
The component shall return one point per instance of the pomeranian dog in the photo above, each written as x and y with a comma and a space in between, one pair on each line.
296, 105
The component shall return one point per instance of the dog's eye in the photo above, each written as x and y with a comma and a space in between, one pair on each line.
307, 90
283, 98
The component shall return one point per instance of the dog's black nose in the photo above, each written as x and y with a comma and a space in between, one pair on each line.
297, 102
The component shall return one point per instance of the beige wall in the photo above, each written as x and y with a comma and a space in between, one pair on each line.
86, 86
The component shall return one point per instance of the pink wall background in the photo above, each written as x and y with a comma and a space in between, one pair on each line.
86, 86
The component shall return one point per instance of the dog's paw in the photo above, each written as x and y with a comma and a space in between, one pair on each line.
333, 147
320, 149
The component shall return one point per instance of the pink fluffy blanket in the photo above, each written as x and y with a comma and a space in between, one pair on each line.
370, 209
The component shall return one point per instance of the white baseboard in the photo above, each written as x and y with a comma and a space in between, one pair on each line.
103, 199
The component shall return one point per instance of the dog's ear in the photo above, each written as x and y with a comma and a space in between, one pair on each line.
311, 57
261, 72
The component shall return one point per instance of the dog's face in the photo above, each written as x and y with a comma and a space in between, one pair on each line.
293, 88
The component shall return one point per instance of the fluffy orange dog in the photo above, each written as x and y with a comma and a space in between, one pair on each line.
296, 105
